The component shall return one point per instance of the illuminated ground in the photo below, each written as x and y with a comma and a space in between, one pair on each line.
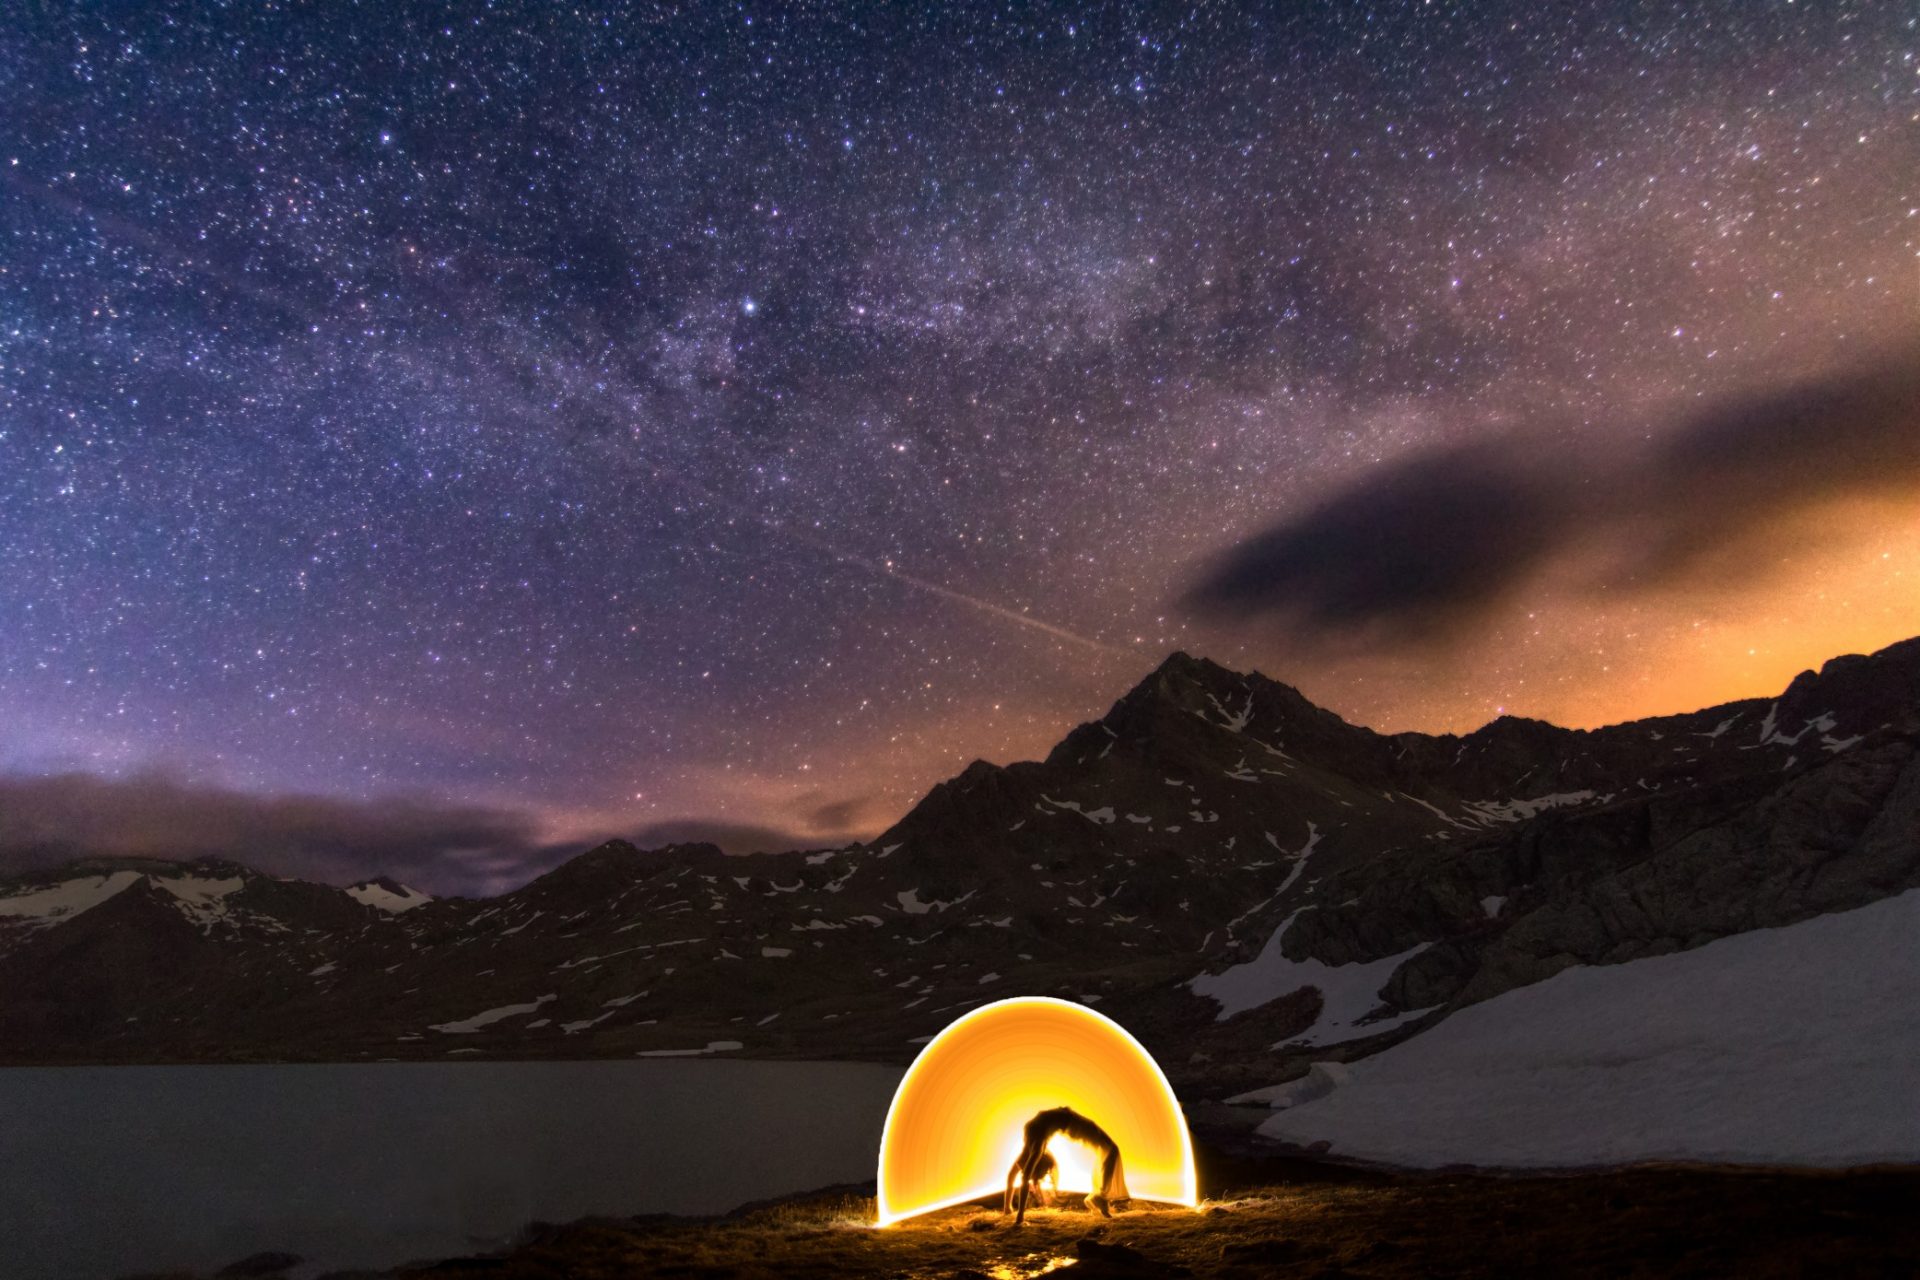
1645, 1222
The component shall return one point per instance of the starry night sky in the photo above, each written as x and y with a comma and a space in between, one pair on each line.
496, 426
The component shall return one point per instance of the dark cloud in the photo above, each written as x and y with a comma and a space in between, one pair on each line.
443, 848
822, 823
838, 815
1429, 546
1744, 468
732, 837
1420, 546
821, 813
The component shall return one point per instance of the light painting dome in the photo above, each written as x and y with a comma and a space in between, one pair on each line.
956, 1122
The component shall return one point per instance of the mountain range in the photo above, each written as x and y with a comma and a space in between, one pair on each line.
1243, 878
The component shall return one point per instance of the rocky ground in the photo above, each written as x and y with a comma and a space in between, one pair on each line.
1282, 1218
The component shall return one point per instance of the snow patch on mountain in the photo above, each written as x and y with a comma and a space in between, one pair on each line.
1298, 857
713, 1046
388, 895
54, 902
1435, 810
201, 899
1770, 734
1231, 721
909, 900
1798, 1044
1100, 816
1348, 992
467, 1026
1521, 810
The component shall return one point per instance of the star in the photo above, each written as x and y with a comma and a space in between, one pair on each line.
767, 417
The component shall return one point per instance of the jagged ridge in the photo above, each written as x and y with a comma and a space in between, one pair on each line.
1169, 839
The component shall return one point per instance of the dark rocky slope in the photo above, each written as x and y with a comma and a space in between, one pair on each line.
1170, 838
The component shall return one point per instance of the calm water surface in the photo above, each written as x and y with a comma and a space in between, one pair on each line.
110, 1170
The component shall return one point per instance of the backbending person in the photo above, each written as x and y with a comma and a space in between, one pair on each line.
1065, 1120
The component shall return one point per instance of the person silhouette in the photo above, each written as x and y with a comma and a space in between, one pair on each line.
1039, 1131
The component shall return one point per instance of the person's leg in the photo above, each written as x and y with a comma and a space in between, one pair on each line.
1100, 1199
1029, 1166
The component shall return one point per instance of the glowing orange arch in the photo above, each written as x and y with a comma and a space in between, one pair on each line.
955, 1123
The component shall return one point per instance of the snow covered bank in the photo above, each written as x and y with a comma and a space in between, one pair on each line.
1795, 1045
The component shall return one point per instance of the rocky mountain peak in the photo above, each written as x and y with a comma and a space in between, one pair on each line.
1185, 687
1862, 689
1181, 665
1182, 678
976, 773
1518, 731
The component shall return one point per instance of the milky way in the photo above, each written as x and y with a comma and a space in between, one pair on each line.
740, 416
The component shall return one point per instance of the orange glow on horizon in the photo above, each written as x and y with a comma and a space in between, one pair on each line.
1741, 627
955, 1123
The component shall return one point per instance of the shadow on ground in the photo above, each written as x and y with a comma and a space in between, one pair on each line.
1265, 1215
1288, 1218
